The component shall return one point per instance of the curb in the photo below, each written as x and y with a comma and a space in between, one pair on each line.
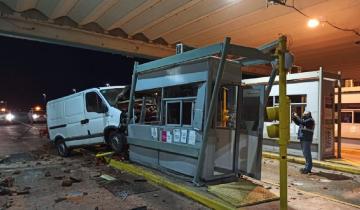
317, 163
211, 202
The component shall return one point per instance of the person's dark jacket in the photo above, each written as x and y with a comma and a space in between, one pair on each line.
306, 127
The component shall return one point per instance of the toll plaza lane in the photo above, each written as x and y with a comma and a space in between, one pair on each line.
19, 138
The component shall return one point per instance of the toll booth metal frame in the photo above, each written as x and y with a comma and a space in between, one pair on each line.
209, 67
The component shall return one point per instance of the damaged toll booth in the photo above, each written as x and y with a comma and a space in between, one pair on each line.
195, 118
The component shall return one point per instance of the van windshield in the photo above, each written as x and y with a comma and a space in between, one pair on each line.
112, 95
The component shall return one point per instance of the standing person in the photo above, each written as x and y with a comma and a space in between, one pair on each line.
305, 134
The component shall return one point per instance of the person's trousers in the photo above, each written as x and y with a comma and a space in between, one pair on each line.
306, 149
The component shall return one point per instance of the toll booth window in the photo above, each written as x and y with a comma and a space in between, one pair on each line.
189, 90
173, 113
187, 107
226, 107
147, 107
346, 117
356, 117
93, 102
179, 104
179, 113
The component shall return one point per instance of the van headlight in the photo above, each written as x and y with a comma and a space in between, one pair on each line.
35, 116
9, 117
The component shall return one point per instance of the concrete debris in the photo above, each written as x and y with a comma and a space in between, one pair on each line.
75, 179
95, 174
7, 182
27, 188
297, 183
4, 191
325, 180
59, 177
57, 200
22, 192
67, 171
156, 195
75, 195
66, 183
47, 174
16, 172
140, 208
107, 177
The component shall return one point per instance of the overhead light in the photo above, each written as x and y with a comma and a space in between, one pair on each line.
313, 23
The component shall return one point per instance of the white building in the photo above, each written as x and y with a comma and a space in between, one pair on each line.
312, 91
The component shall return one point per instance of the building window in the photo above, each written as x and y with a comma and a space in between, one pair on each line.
356, 117
297, 104
346, 117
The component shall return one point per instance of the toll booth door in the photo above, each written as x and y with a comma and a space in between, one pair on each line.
249, 133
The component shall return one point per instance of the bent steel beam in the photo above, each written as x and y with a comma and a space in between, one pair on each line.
209, 118
18, 27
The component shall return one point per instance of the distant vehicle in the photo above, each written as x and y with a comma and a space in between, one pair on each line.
6, 117
86, 118
37, 115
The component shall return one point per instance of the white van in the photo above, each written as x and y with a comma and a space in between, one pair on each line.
85, 118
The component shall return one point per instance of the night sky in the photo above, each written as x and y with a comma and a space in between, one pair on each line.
30, 68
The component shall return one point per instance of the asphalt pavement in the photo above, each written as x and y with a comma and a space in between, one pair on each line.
36, 167
20, 137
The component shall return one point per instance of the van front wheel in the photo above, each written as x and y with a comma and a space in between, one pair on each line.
62, 148
117, 141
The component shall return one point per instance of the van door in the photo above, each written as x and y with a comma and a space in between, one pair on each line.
74, 114
95, 116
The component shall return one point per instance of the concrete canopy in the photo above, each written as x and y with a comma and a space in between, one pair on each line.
150, 28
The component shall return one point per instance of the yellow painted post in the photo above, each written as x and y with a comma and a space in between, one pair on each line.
284, 118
